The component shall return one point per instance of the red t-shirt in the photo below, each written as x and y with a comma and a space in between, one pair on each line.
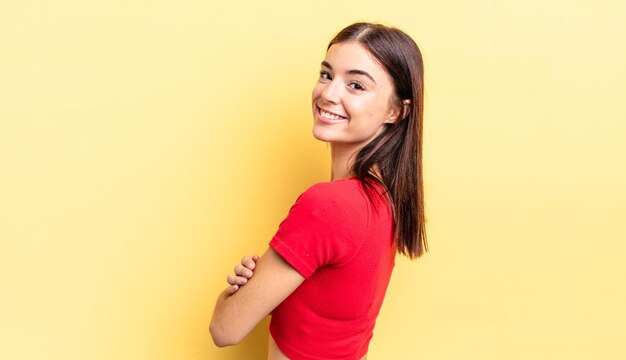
343, 245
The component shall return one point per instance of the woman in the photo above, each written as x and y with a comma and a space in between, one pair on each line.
325, 274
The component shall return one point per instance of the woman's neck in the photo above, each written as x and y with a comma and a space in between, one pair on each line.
342, 158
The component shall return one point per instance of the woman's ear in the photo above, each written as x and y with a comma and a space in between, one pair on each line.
399, 112
406, 107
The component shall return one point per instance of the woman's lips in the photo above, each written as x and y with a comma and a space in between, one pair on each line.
329, 117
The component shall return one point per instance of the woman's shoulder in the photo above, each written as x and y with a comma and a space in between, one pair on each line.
348, 195
349, 189
340, 205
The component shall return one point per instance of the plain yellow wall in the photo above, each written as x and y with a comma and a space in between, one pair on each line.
145, 146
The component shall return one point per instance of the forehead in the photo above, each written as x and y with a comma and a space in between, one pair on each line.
353, 55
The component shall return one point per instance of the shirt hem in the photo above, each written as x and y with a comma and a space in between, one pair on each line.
291, 257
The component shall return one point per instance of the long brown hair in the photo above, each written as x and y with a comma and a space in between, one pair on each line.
397, 151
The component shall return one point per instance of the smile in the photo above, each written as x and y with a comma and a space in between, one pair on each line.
330, 116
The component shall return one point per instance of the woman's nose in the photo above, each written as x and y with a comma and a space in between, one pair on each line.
331, 92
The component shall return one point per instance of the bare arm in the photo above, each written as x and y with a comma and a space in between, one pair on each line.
237, 314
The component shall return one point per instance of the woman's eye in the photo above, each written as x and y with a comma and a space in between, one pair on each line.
356, 86
325, 75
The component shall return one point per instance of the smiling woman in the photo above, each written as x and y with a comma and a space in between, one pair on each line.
326, 271
348, 95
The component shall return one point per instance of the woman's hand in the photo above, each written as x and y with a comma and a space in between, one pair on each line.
243, 272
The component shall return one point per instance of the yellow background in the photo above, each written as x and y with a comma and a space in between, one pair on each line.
145, 146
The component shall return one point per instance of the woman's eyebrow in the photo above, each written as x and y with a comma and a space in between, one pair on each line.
353, 71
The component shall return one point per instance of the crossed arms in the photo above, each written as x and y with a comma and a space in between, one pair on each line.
240, 308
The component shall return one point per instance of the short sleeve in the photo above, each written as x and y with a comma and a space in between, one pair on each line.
325, 226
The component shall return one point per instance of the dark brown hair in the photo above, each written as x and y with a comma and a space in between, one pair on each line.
398, 150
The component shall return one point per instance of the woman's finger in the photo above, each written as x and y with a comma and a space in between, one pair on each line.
248, 262
238, 269
243, 271
233, 279
232, 289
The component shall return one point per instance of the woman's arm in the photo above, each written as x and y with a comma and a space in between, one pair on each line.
237, 314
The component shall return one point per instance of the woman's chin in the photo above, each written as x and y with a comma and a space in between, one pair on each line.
321, 135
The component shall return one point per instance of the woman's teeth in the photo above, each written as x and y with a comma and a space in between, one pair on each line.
330, 116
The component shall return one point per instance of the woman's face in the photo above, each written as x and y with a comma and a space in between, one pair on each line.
353, 97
